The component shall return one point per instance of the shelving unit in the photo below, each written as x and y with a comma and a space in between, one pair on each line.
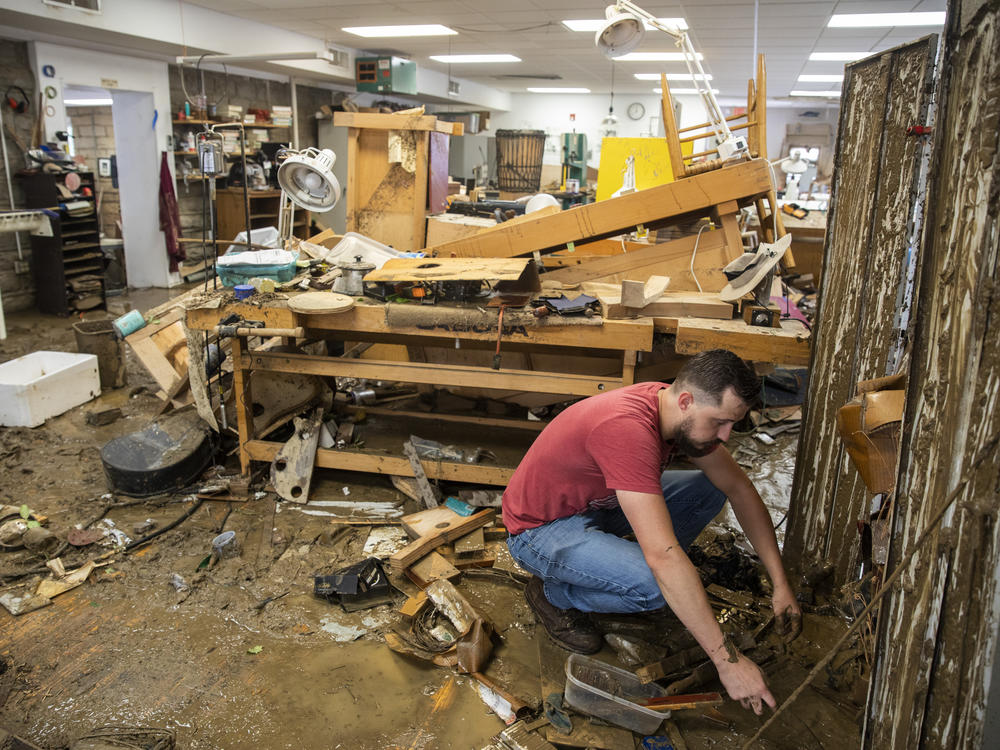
68, 267
264, 207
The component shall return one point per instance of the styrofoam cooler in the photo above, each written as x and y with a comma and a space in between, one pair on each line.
45, 384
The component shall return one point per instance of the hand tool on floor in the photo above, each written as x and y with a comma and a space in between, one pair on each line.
679, 702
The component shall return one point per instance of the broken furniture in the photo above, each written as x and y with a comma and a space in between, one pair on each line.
397, 172
718, 194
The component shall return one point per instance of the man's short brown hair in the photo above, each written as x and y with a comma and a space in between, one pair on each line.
714, 371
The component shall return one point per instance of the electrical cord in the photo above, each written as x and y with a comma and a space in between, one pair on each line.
694, 253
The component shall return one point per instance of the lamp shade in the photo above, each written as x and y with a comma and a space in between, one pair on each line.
795, 165
620, 34
308, 180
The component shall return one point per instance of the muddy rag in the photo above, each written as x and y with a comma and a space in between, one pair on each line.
170, 218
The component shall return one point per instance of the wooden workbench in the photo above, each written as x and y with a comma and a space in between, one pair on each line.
622, 340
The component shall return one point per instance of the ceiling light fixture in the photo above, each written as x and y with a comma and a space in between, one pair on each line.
426, 29
670, 77
87, 102
656, 57
838, 56
557, 90
624, 31
818, 94
832, 78
880, 20
681, 92
475, 58
596, 24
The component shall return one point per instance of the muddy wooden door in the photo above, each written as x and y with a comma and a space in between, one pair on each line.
938, 627
869, 237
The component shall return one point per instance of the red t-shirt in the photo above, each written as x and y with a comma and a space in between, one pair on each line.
589, 451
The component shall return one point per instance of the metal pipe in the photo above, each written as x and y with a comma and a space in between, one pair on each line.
295, 118
10, 187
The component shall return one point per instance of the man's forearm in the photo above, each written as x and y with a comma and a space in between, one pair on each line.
683, 591
759, 528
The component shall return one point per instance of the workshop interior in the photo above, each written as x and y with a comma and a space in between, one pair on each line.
319, 320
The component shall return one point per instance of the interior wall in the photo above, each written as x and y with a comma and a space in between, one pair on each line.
248, 92
17, 289
93, 139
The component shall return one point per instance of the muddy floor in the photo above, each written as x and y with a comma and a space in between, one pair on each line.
243, 654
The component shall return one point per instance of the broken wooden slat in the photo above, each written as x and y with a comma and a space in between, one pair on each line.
292, 468
786, 345
459, 527
433, 567
428, 493
471, 543
424, 522
412, 607
636, 294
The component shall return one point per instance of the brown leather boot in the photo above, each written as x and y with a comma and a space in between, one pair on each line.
569, 628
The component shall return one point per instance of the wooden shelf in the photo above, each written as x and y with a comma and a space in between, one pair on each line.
79, 233
67, 247
85, 256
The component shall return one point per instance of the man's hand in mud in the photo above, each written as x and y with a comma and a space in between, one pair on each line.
787, 614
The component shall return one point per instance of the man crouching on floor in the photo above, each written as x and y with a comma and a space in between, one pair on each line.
597, 473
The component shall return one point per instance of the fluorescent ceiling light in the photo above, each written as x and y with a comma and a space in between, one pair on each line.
475, 58
877, 20
87, 102
838, 56
678, 92
831, 78
428, 29
656, 57
670, 77
557, 90
821, 94
600, 23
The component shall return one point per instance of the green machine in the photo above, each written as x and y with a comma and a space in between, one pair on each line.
574, 159
385, 75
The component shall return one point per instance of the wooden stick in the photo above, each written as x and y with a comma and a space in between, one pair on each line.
678, 702
862, 618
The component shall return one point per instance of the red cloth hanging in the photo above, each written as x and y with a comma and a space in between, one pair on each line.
170, 217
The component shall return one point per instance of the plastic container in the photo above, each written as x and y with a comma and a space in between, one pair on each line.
607, 692
242, 291
241, 274
129, 323
45, 384
224, 545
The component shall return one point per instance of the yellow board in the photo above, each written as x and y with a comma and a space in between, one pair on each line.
652, 163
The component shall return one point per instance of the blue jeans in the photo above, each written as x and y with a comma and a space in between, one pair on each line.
584, 562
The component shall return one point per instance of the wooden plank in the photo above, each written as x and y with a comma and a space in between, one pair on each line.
435, 374
688, 198
552, 673
425, 521
450, 269
671, 259
432, 567
470, 543
637, 294
413, 606
868, 243
263, 450
378, 121
512, 424
788, 345
667, 305
367, 321
451, 531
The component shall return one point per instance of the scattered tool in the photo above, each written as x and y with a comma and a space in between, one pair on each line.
496, 357
679, 702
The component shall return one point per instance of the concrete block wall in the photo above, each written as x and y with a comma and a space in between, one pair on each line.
249, 93
17, 289
93, 138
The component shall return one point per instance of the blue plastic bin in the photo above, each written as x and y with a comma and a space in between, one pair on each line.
233, 275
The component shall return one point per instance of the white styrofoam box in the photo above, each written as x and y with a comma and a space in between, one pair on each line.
45, 384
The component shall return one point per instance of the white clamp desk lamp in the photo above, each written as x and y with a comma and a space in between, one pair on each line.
307, 181
624, 31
